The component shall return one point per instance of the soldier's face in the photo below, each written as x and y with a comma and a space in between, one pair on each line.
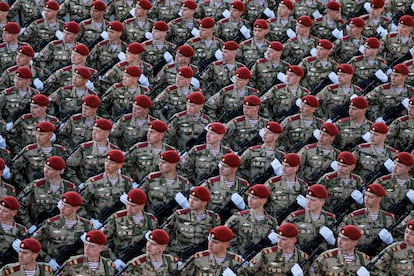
322, 53
410, 111
354, 31
154, 249
206, 33
196, 204
88, 111
306, 109
251, 112
99, 135
225, 170
217, 247
43, 138
376, 12
241, 83
325, 138
113, 35
344, 169
255, 202
92, 250
77, 58
68, 210
400, 170
181, 81
50, 14
167, 167
409, 237
6, 214
78, 80
111, 167
154, 136
288, 170
37, 110
292, 78
22, 59
377, 138
27, 257
139, 11
20, 82
228, 55
3, 15
397, 79
269, 136
404, 30
259, 33
286, 243
97, 14
193, 109
9, 37
182, 60
370, 52
344, 79
187, 13
314, 204
345, 244
371, 200
139, 112
333, 15
50, 173
69, 37
235, 13
158, 35
302, 30
129, 80
212, 137
283, 11
272, 54
355, 112
134, 209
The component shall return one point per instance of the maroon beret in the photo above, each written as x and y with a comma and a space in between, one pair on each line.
274, 127
186, 50
189, 4
45, 126
116, 26
135, 48
411, 101
161, 26
380, 127
72, 27
2, 164
260, 190
401, 68
56, 162
347, 158
217, 127
377, 4
252, 100
186, 71
231, 45
239, 5
196, 98
376, 189
81, 49
171, 156
103, 124
346, 68
410, 224
116, 155
4, 6
207, 23
201, 192
373, 42
334, 6
305, 21
359, 102
221, 233
91, 100
289, 4
325, 43
143, 101
99, 5
158, 125
31, 244
318, 190
357, 21
53, 5
145, 4
27, 50
243, 73
293, 159
310, 100
261, 23
72, 198
231, 159
351, 231
24, 72
40, 99
406, 20
404, 158
297, 70
276, 45
137, 196
160, 236
330, 128
84, 72
10, 202
96, 236
133, 71
288, 229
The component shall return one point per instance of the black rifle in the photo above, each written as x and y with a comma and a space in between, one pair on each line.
45, 215
318, 174
162, 211
133, 250
206, 176
192, 249
66, 251
24, 110
244, 145
196, 140
253, 248
104, 69
286, 113
320, 85
371, 177
262, 177
296, 147
179, 270
230, 114
341, 207
202, 65
400, 208
282, 213
340, 111
392, 112
8, 256
106, 212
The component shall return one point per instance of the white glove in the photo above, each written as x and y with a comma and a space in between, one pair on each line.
334, 165
316, 14
389, 164
59, 34
83, 237
182, 200
357, 196
277, 167
124, 198
410, 195
316, 133
338, 33
313, 52
272, 237
298, 102
379, 120
16, 245
148, 35
104, 35
195, 83
296, 270
168, 57
301, 200
366, 136
362, 271
2, 142
245, 32
38, 84
367, 7
281, 77
195, 32
218, 54
385, 236
381, 75
122, 56
96, 223
269, 13
32, 229
9, 126
59, 204
132, 12
290, 33
327, 234
361, 49
143, 80
90, 85
53, 138
405, 102
261, 132
228, 272
226, 13
412, 6
382, 32
238, 201
135, 185
119, 264
6, 172
333, 77
53, 264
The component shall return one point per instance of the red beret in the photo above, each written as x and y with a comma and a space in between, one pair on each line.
274, 127
96, 236
12, 27
135, 48
137, 196
377, 4
401, 68
259, 190
297, 70
325, 43
81, 49
4, 6
231, 159
171, 156
359, 102
410, 224
53, 5
84, 72
411, 101
377, 189
293, 159
196, 98
133, 71
330, 128
243, 73
380, 127
239, 5
334, 6
158, 125
289, 4
72, 27
143, 101
186, 71
288, 229
26, 50
221, 233
318, 190
99, 5
261, 23
45, 126
186, 50
406, 20
2, 164
160, 236
116, 156
72, 198
161, 26
91, 100
305, 21
357, 21
116, 26
352, 232
24, 72
346, 157
56, 162
310, 100
103, 124
217, 127
40, 99
207, 23
276, 45
231, 45
373, 42
201, 192
404, 158
189, 4
346, 68
145, 4
252, 100
10, 202
31, 244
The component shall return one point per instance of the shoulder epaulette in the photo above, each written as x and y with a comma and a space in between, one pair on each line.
86, 22
154, 175
39, 21
244, 212
177, 20
403, 118
139, 261
148, 42
127, 117
228, 88
269, 250
122, 63
76, 261
169, 66
200, 147
218, 62
201, 254
331, 253
66, 68
39, 183
364, 145
120, 214
365, 17
386, 86
52, 219
331, 176
213, 179
222, 21
183, 211
195, 39
236, 257
261, 60
102, 43
319, 19
87, 145
53, 119
392, 149
294, 117
8, 90
181, 114
385, 177
394, 34
142, 145
358, 58
411, 88
118, 85
2, 45
358, 212
329, 214
347, 37
255, 147
67, 87
388, 214
31, 147
333, 86
12, 270
293, 39
57, 42
247, 42
12, 69
172, 87
311, 146
47, 268
129, 20
26, 116
275, 179
399, 247
244, 182
76, 117
151, 216
298, 213
97, 177
239, 119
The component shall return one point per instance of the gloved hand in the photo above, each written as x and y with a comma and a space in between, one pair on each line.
362, 271
6, 172
301, 200
389, 164
32, 229
59, 204
327, 234
410, 195
96, 224
357, 196
168, 57
238, 201
119, 264
16, 245
228, 272
53, 138
124, 198
245, 32
277, 166
83, 237
53, 264
9, 126
182, 200
385, 236
135, 185
296, 270
2, 142
273, 237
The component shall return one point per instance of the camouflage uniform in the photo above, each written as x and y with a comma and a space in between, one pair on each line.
295, 49
18, 231
8, 55
7, 189
315, 72
165, 10
278, 28
352, 8
104, 55
153, 54
42, 32
29, 10
76, 130
394, 260
13, 105
135, 31
350, 133
209, 8
205, 264
370, 28
55, 55
364, 70
394, 48
255, 8
180, 31
346, 48
15, 269
203, 51
78, 265
91, 31
401, 133
7, 78
249, 51
166, 76
229, 30
264, 74
77, 10
395, 191
394, 7
323, 30
142, 265
307, 8
120, 9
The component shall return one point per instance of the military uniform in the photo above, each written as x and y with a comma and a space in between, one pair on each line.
249, 51
55, 55
7, 78
154, 54
394, 7
410, 65
77, 10
346, 48
255, 8
67, 100
8, 55
316, 72
352, 8
13, 104
103, 54
365, 69
323, 30
213, 9
296, 49
29, 10
90, 31
203, 49
350, 133
120, 9
7, 189
15, 269
395, 191
135, 30
180, 30
401, 133
78, 265
165, 10
205, 264
394, 48
7, 237
76, 130
308, 8
42, 32
229, 30
396, 259
278, 28
264, 74
142, 265
370, 28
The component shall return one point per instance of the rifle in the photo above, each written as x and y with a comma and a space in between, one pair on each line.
104, 69
106, 212
286, 113
282, 213
296, 147
8, 256
179, 270
343, 207
248, 143
400, 208
371, 177
320, 85
196, 140
66, 251
261, 177
192, 249
45, 215
202, 65
318, 174
392, 112
253, 248
230, 114
133, 250
340, 111
162, 211
26, 109
206, 176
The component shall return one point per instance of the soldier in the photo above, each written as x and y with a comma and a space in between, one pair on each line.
60, 235
324, 26
315, 159
5, 188
78, 127
280, 100
120, 9
42, 31
400, 134
77, 10
227, 102
39, 198
257, 160
138, 28
218, 74
180, 28
28, 253
27, 10
188, 227
212, 9
8, 49
280, 24
254, 48
28, 163
154, 260
345, 258
217, 258
255, 9
156, 47
126, 229
254, 224
371, 156
89, 157
91, 29
299, 47
375, 21
165, 10
372, 220
229, 28
132, 128
312, 7
101, 192
90, 262
67, 100
281, 259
